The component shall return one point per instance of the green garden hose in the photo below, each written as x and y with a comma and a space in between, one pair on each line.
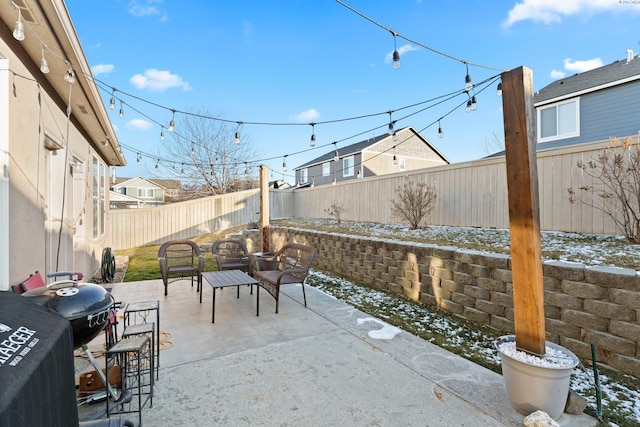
108, 266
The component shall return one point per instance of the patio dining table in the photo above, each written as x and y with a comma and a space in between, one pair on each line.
224, 279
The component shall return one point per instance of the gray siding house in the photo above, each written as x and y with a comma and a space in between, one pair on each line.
590, 106
406, 150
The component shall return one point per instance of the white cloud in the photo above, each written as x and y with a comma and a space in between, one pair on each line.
158, 80
552, 11
141, 9
306, 116
139, 124
401, 50
582, 66
102, 69
555, 74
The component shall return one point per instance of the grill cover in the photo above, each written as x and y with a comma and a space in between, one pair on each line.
36, 365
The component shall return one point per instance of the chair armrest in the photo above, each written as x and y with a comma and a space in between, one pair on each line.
200, 263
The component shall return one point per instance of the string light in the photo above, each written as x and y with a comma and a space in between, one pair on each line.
44, 65
396, 54
468, 85
193, 149
157, 163
70, 75
390, 132
284, 163
172, 123
499, 89
238, 133
313, 134
336, 156
182, 170
112, 101
474, 104
468, 109
440, 133
121, 113
18, 30
161, 133
395, 159
139, 158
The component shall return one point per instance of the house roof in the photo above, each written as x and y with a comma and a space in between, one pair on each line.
616, 73
359, 147
48, 23
123, 182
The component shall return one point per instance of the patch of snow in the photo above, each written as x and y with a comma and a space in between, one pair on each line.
387, 332
553, 358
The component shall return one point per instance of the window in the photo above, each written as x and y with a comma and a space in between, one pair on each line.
347, 166
99, 177
304, 175
401, 164
326, 168
559, 121
145, 193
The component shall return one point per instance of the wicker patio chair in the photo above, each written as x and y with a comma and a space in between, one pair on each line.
293, 264
180, 259
232, 254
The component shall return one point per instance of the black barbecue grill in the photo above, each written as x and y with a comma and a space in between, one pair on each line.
85, 305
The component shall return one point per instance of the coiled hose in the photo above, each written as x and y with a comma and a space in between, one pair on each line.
108, 266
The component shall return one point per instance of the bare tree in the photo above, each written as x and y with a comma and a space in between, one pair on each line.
335, 211
616, 174
494, 143
414, 202
207, 158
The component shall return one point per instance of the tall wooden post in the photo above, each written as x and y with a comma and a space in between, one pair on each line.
265, 232
524, 210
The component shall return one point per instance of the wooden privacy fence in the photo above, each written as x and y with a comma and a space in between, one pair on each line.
471, 194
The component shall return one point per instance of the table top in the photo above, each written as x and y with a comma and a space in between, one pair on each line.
224, 278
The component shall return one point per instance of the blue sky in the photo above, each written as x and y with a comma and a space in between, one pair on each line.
311, 61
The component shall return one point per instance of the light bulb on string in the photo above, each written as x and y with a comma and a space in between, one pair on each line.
499, 89
139, 158
157, 163
468, 109
18, 29
238, 133
391, 123
474, 104
172, 123
182, 170
70, 75
44, 65
193, 149
336, 156
161, 133
395, 159
284, 163
440, 133
468, 85
313, 134
396, 54
121, 113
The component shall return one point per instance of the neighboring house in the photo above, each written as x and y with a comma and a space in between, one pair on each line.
122, 201
385, 154
147, 191
590, 106
54, 164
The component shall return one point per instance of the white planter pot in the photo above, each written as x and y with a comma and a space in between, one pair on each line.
530, 387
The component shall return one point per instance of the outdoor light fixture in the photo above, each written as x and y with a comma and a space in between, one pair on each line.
112, 101
468, 109
182, 170
18, 30
121, 113
473, 103
139, 158
313, 134
390, 131
44, 65
193, 149
172, 123
396, 54
284, 163
161, 133
157, 163
395, 136
467, 80
70, 75
336, 156
499, 89
440, 133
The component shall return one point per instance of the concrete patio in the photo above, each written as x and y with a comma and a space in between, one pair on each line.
306, 366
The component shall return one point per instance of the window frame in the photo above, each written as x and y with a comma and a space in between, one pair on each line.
556, 106
304, 175
326, 169
348, 166
146, 191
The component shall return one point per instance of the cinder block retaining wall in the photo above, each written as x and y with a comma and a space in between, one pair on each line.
582, 304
